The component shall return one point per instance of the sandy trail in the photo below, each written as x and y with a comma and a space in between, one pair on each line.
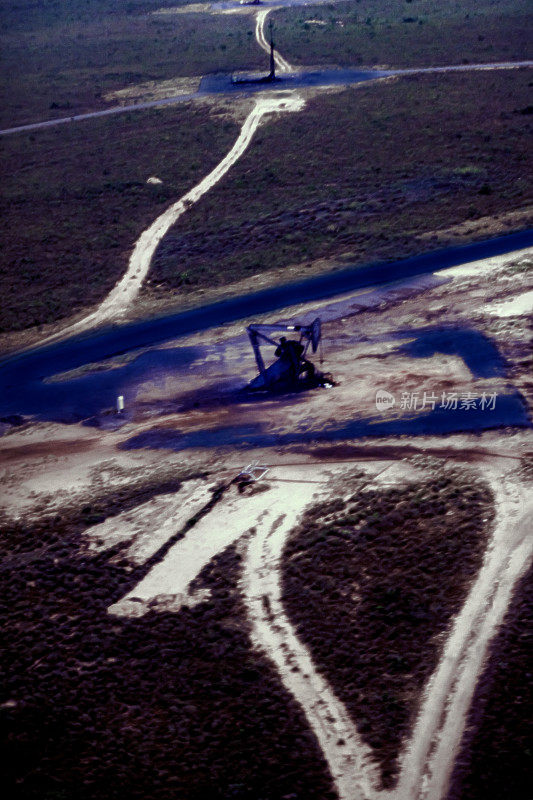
140, 106
126, 290
348, 759
427, 760
149, 526
430, 756
462, 68
281, 63
167, 584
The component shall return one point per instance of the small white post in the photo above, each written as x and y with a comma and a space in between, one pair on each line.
120, 404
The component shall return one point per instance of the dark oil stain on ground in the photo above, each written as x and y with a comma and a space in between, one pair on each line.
480, 355
27, 391
223, 84
509, 410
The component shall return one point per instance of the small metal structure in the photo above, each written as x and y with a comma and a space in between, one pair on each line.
253, 472
292, 369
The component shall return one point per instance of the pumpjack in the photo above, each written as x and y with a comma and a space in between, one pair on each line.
291, 370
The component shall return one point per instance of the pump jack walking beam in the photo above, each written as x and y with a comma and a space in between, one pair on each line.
311, 334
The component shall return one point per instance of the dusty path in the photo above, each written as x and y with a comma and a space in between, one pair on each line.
281, 63
33, 126
348, 759
167, 587
127, 289
265, 519
150, 525
463, 68
167, 584
429, 758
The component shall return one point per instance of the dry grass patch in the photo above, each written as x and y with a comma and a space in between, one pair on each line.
371, 585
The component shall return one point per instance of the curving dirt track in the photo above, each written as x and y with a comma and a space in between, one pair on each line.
126, 290
263, 521
430, 756
348, 759
281, 63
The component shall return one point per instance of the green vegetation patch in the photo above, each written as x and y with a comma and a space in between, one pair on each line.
75, 198
360, 175
371, 584
401, 33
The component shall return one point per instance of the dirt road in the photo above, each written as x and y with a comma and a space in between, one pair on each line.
126, 290
348, 759
429, 757
283, 66
176, 536
281, 63
262, 522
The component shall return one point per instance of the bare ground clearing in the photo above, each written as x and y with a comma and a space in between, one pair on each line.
155, 541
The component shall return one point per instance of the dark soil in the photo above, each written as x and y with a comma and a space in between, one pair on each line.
495, 758
371, 583
170, 705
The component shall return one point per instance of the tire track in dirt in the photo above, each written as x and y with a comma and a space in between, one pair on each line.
430, 755
34, 126
189, 542
348, 759
146, 528
281, 63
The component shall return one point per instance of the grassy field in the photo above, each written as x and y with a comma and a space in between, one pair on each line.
360, 175
64, 57
75, 199
404, 33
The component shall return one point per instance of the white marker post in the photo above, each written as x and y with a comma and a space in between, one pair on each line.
120, 404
